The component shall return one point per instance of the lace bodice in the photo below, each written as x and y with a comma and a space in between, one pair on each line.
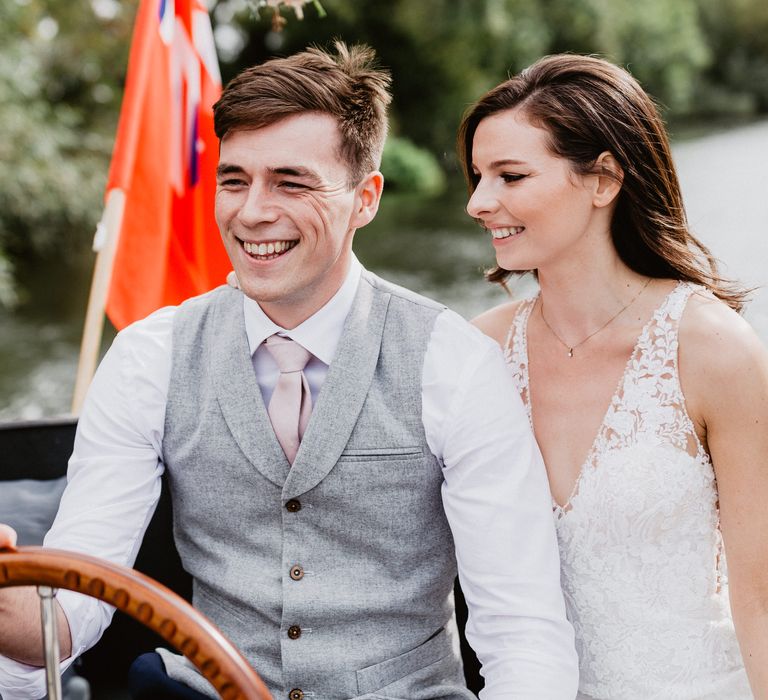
643, 571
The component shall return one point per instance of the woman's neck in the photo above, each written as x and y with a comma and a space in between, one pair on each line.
580, 297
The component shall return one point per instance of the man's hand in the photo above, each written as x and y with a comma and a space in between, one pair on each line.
7, 537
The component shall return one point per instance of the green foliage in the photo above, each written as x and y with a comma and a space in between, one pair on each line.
737, 79
691, 55
8, 296
408, 168
61, 70
661, 43
63, 62
49, 173
418, 41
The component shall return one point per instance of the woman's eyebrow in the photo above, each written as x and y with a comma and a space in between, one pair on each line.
506, 161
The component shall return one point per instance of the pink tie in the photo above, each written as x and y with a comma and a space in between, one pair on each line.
291, 403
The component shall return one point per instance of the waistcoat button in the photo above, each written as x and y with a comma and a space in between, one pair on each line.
296, 694
294, 632
297, 573
293, 505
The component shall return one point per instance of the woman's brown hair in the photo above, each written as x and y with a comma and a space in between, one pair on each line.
588, 106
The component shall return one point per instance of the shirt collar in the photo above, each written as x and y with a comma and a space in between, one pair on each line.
321, 332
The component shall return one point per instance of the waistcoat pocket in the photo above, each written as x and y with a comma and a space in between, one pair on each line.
382, 674
210, 604
362, 454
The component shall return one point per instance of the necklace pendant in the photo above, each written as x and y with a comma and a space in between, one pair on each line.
570, 352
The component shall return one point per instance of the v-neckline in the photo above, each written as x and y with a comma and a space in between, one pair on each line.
562, 510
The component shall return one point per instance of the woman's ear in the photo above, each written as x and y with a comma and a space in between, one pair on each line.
609, 177
368, 196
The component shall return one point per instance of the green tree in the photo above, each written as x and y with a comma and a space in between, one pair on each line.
63, 62
61, 71
737, 33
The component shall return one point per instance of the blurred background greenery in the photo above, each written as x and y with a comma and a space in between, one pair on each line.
62, 69
62, 66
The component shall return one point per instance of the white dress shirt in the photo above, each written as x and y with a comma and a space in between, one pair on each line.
495, 491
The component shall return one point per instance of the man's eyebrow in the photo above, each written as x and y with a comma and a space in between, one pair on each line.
290, 170
227, 169
296, 171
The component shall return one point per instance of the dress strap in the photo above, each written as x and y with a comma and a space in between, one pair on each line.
516, 350
650, 399
519, 322
671, 309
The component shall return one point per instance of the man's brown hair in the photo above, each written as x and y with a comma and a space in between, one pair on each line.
346, 84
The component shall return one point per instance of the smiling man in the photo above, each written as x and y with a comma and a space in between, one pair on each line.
288, 215
334, 444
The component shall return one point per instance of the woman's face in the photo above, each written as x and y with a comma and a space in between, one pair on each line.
537, 210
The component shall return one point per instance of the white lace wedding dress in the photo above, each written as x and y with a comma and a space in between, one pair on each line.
643, 571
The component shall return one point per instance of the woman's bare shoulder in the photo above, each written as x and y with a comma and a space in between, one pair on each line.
709, 326
719, 350
496, 322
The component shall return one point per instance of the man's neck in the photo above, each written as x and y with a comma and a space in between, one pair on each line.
321, 328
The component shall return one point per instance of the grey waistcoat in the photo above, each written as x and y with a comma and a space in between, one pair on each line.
346, 591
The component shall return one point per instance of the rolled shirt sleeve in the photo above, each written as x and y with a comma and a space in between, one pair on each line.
498, 504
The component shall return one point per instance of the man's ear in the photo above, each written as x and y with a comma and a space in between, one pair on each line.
367, 198
609, 177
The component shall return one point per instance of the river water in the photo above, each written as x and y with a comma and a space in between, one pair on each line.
430, 247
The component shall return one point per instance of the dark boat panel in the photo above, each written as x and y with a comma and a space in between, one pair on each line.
36, 449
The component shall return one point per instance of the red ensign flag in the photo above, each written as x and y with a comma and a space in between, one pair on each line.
164, 160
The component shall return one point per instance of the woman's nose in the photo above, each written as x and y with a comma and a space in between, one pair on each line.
480, 202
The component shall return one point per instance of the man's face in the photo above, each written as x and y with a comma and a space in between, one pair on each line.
287, 215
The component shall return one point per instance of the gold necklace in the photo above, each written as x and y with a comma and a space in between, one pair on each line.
571, 348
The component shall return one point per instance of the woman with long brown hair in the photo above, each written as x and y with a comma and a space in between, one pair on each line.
647, 392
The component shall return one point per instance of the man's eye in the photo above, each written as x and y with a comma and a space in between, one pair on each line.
290, 185
511, 177
232, 182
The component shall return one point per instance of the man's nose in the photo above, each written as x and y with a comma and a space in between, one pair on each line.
258, 207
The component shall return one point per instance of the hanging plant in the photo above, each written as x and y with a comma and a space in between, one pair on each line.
278, 21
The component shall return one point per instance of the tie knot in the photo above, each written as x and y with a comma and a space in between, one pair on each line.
289, 355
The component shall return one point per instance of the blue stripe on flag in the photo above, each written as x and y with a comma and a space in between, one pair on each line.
194, 156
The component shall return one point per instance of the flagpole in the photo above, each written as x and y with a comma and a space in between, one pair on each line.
105, 243
137, 268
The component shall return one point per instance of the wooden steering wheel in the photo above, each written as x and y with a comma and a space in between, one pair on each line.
149, 602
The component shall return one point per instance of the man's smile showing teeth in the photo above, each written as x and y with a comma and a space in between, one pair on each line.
499, 233
269, 249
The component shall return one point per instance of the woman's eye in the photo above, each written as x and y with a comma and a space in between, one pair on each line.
511, 177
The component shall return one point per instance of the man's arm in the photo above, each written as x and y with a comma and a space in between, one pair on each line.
21, 632
498, 504
113, 484
21, 635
